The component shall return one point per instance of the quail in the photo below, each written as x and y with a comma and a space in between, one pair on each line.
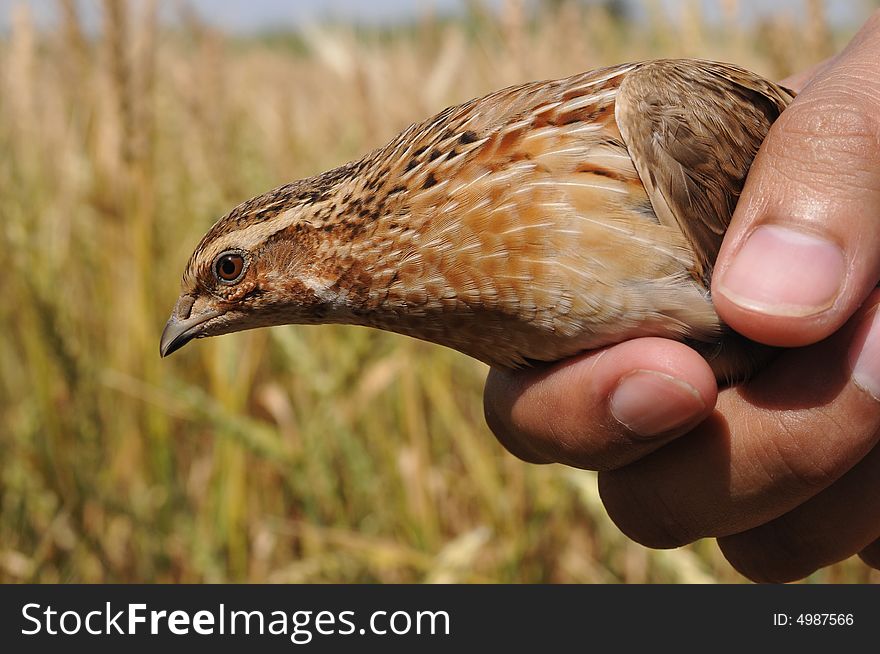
526, 226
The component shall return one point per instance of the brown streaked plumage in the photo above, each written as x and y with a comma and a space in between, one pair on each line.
529, 225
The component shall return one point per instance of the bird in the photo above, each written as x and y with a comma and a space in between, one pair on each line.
538, 222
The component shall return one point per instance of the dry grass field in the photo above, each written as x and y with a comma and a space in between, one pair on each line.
296, 454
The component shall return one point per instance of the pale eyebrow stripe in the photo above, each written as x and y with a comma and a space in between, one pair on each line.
247, 238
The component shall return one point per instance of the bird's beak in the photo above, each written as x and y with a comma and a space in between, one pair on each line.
183, 325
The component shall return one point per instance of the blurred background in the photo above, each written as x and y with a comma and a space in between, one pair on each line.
296, 454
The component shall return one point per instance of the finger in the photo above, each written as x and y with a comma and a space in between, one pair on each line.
775, 442
803, 248
871, 554
603, 409
831, 527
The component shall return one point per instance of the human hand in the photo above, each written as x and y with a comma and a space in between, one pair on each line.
783, 470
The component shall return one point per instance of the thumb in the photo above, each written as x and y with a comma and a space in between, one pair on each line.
803, 248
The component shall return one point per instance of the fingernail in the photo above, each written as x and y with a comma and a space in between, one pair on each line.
649, 403
865, 355
783, 272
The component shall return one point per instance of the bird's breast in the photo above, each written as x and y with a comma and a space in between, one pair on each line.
532, 241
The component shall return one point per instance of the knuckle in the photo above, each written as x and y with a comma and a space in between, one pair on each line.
645, 517
831, 140
793, 456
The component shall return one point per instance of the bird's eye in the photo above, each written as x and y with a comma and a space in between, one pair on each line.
229, 267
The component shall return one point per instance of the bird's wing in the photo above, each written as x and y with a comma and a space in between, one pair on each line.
692, 129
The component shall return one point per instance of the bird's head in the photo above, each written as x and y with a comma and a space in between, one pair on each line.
268, 262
